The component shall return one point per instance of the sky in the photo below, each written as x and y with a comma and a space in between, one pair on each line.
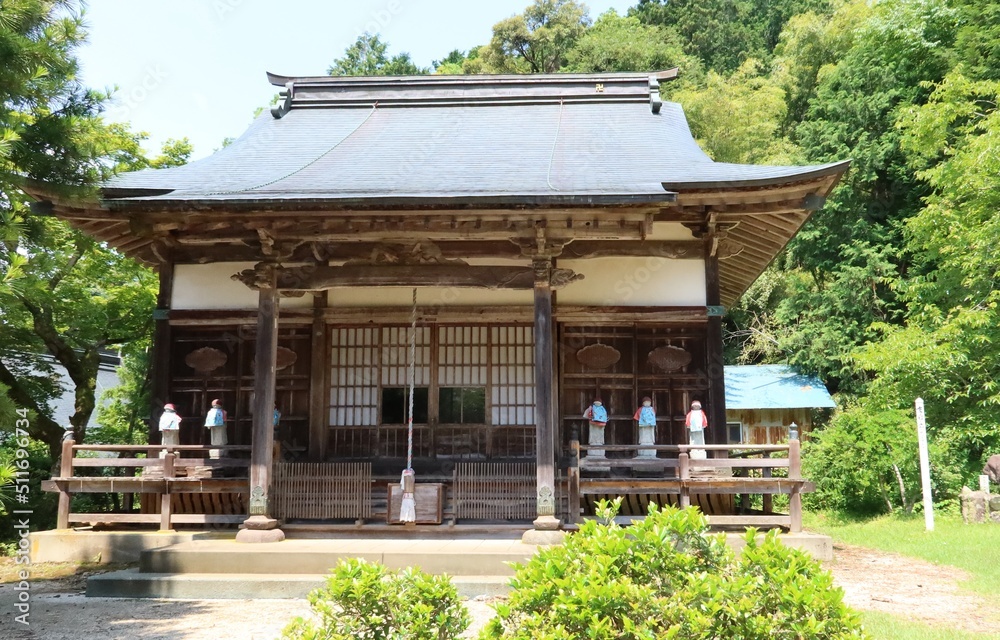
196, 68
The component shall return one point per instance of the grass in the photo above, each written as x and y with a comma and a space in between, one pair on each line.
885, 626
974, 548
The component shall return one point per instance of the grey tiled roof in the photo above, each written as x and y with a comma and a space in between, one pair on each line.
450, 140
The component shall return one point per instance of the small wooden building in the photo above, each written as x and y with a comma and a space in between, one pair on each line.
565, 235
763, 401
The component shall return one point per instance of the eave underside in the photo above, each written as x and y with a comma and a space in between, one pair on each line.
750, 225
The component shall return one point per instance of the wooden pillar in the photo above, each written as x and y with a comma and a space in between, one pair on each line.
684, 472
319, 415
795, 498
260, 527
166, 510
160, 364
716, 409
65, 471
544, 372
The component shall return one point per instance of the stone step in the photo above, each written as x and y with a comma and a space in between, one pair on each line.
316, 557
132, 583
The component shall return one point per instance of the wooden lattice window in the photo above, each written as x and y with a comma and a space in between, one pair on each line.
512, 368
474, 391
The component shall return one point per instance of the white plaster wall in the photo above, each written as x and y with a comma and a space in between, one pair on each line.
635, 282
210, 286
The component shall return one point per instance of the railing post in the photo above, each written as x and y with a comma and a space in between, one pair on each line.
65, 471
683, 467
165, 507
765, 472
574, 481
795, 474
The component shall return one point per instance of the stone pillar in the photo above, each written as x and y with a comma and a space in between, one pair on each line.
544, 429
260, 526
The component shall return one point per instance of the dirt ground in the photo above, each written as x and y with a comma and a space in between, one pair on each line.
871, 580
912, 588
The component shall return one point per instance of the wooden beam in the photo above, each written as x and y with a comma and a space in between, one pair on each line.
674, 249
321, 277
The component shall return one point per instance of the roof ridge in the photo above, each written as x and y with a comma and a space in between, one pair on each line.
472, 90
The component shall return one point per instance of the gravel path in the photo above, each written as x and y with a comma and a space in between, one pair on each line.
871, 580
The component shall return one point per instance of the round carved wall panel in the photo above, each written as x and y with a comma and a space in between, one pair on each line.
598, 356
669, 358
205, 360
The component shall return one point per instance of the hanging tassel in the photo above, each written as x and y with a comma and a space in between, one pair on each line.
408, 506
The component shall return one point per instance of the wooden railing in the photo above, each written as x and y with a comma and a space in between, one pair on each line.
165, 475
680, 477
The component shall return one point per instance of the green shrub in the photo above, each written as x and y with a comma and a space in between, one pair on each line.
366, 601
665, 577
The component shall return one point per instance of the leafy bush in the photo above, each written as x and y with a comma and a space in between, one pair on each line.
665, 578
366, 601
866, 462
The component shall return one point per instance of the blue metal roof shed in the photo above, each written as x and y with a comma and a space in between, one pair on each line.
774, 386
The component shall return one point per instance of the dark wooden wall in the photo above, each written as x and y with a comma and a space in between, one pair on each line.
622, 385
192, 391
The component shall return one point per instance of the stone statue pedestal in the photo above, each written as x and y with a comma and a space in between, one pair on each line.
169, 436
596, 438
219, 439
647, 436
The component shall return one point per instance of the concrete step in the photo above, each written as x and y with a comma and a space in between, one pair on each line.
132, 583
316, 557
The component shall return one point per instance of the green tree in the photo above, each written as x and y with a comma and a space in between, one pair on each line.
623, 43
947, 349
451, 64
64, 297
536, 41
723, 34
738, 117
368, 56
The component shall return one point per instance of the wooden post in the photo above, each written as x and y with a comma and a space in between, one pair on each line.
260, 527
544, 430
165, 506
319, 416
713, 347
795, 498
65, 471
684, 469
766, 473
160, 365
573, 478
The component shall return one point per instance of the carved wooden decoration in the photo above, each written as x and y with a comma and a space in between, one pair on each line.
729, 248
284, 358
425, 252
669, 358
598, 356
205, 360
